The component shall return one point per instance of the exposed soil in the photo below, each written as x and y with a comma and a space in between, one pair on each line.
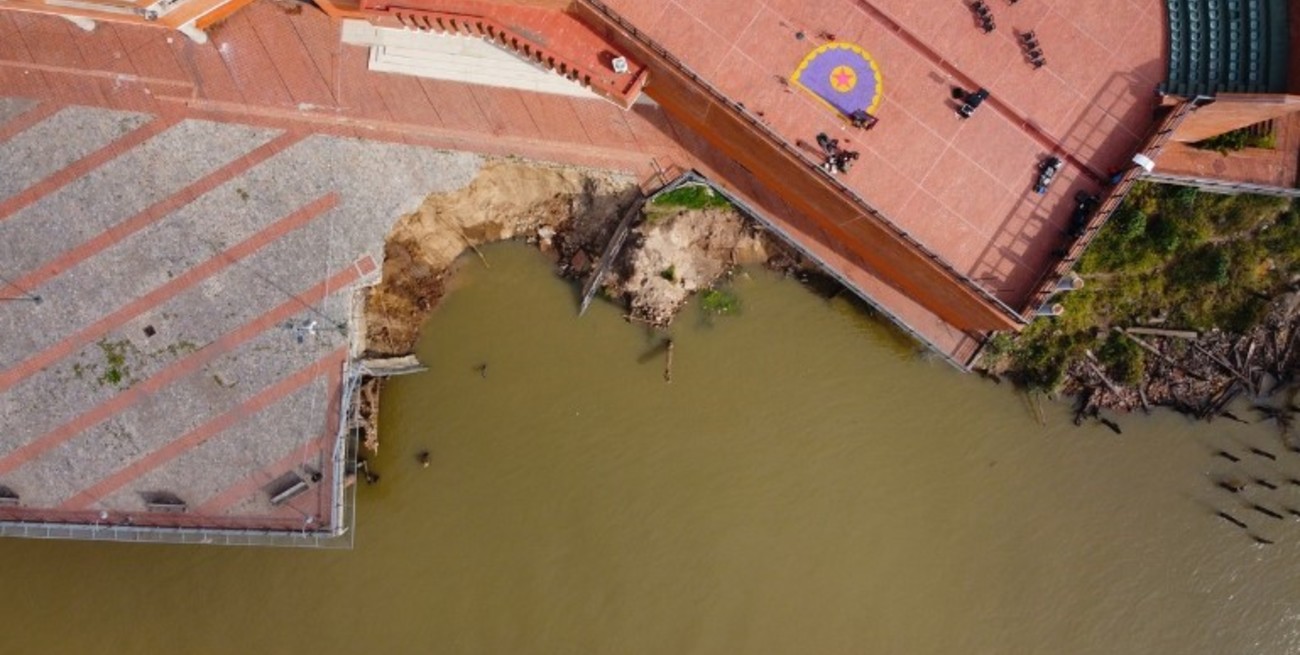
508, 199
673, 254
571, 214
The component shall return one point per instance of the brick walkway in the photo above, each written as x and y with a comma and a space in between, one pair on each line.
963, 188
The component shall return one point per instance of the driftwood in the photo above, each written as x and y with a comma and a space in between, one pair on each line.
1158, 353
1201, 376
1217, 404
1091, 363
1158, 332
1223, 364
668, 362
1142, 396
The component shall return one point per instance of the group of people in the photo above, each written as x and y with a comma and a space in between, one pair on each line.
984, 15
837, 160
970, 101
862, 120
1030, 42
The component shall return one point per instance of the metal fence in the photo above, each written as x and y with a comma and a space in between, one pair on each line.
337, 534
1114, 197
695, 178
779, 142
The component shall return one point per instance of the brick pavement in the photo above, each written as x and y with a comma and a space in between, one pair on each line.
963, 188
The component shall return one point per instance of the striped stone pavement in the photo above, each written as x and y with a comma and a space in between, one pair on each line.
179, 263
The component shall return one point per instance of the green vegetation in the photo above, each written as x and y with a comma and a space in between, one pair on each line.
691, 196
115, 357
718, 301
1238, 140
669, 274
1196, 260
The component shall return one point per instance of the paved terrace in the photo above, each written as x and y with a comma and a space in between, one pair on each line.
221, 197
91, 115
195, 281
314, 81
963, 188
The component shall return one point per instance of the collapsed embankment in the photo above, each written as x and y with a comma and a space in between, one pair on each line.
674, 251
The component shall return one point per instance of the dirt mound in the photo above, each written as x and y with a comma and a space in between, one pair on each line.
674, 254
508, 199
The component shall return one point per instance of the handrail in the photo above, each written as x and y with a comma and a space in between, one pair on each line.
694, 177
1161, 133
524, 46
775, 139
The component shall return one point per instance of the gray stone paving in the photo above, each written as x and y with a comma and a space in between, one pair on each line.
249, 446
120, 273
376, 182
168, 414
59, 140
120, 189
11, 108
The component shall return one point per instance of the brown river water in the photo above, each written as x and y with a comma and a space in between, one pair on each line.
806, 484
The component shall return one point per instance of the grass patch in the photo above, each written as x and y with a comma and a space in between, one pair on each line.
115, 370
691, 196
1196, 260
1238, 140
718, 301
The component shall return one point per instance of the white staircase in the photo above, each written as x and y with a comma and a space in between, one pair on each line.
456, 58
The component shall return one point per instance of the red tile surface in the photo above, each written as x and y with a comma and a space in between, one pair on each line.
1092, 104
921, 165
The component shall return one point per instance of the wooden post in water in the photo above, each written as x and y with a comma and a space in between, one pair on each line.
668, 362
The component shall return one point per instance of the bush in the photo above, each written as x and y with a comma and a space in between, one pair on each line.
1124, 360
717, 301
1237, 140
997, 347
1205, 266
1163, 235
1130, 224
1199, 260
691, 196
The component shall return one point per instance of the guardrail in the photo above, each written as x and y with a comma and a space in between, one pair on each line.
1114, 197
1222, 186
694, 177
780, 143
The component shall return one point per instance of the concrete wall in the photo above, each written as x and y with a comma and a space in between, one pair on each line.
1232, 111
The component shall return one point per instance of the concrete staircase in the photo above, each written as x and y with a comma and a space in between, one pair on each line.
457, 57
549, 39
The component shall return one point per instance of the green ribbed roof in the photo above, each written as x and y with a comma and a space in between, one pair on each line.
1226, 46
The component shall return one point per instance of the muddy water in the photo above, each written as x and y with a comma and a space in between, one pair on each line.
806, 484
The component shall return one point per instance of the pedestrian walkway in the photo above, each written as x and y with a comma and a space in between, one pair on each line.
190, 335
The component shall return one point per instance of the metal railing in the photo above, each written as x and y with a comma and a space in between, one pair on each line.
163, 535
695, 178
775, 139
1222, 186
1160, 136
